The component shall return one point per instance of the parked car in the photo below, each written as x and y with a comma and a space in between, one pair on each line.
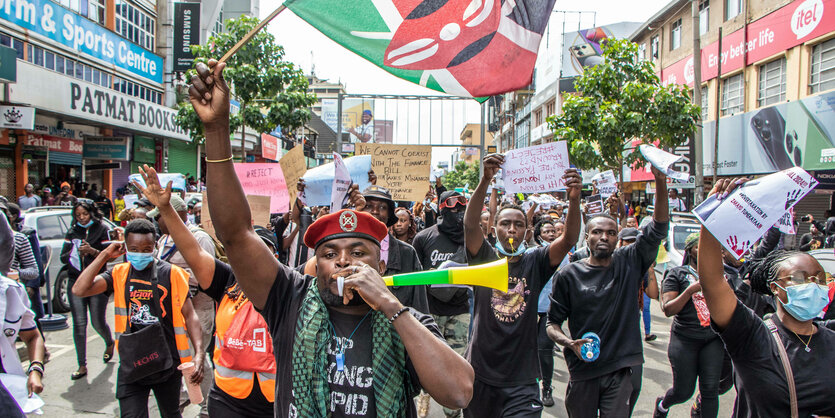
682, 224
51, 224
825, 256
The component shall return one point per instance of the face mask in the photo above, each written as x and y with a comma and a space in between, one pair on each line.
806, 301
519, 250
139, 261
87, 225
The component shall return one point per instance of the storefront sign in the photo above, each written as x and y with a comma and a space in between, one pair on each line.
8, 64
51, 91
186, 34
269, 147
52, 21
785, 28
17, 117
54, 143
143, 150
106, 148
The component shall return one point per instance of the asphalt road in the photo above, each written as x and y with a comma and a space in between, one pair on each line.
93, 396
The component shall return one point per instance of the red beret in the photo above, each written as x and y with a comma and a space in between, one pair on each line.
346, 223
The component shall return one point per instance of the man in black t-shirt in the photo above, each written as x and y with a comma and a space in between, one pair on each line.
503, 351
598, 294
342, 346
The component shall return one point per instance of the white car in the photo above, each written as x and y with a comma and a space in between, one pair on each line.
682, 224
51, 224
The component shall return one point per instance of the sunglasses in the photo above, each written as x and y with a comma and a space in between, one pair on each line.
800, 278
450, 202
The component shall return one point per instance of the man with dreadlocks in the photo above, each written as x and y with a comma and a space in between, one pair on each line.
784, 364
344, 345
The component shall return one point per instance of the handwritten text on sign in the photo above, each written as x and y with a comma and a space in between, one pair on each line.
265, 179
294, 166
403, 169
536, 169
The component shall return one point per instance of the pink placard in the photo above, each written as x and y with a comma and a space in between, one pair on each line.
265, 179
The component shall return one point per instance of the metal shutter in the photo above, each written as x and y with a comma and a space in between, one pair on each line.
182, 157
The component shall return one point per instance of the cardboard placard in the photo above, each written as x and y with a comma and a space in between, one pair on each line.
403, 169
535, 169
265, 179
259, 206
294, 166
606, 183
594, 204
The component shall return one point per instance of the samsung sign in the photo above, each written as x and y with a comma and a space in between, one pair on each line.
61, 25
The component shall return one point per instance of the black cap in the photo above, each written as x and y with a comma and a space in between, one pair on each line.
267, 236
629, 234
381, 193
144, 202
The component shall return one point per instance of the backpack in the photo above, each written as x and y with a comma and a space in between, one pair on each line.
220, 252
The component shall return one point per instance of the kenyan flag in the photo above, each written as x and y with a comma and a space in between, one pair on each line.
473, 48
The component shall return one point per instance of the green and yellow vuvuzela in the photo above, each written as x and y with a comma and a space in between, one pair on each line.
492, 275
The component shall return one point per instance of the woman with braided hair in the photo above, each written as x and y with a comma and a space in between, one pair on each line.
783, 365
406, 228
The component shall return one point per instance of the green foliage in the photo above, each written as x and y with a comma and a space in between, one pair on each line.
272, 92
461, 175
620, 100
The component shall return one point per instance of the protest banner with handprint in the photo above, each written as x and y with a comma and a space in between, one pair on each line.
744, 216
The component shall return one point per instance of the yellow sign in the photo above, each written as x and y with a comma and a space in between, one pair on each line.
294, 166
258, 205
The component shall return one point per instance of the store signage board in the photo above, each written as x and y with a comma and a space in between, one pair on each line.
186, 34
64, 95
8, 64
17, 117
106, 148
58, 24
54, 143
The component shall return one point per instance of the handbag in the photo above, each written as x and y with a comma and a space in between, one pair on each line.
787, 367
144, 352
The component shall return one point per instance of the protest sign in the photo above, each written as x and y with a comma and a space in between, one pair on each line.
265, 179
319, 180
594, 204
293, 165
130, 199
341, 183
664, 161
741, 218
786, 223
403, 169
535, 169
259, 206
178, 181
605, 183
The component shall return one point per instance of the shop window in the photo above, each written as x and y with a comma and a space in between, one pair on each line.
675, 35
96, 76
705, 103
772, 82
732, 8
88, 74
704, 16
822, 76
654, 45
59, 64
134, 24
49, 60
5, 40
95, 11
70, 68
733, 97
105, 80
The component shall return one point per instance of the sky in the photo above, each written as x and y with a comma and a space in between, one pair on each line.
308, 48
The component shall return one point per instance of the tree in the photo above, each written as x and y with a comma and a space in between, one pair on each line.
620, 100
462, 175
272, 92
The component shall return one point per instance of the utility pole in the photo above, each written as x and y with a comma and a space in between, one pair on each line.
718, 111
698, 159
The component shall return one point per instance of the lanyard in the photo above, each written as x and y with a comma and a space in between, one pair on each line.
170, 251
340, 350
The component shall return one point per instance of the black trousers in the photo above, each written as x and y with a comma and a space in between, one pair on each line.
636, 379
133, 397
690, 359
726, 381
79, 306
500, 402
609, 394
546, 352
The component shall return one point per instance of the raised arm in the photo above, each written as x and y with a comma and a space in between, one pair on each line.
562, 245
662, 205
253, 264
473, 237
202, 264
720, 298
89, 282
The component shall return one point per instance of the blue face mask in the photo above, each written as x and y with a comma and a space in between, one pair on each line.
806, 301
87, 225
139, 261
519, 250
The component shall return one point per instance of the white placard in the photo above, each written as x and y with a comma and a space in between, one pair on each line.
663, 161
16, 385
606, 183
341, 183
535, 169
786, 223
744, 216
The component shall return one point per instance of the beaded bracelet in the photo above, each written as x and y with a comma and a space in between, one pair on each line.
400, 312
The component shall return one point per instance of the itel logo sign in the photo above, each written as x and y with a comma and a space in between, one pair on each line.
806, 17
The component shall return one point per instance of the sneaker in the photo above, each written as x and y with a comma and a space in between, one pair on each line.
423, 405
650, 337
658, 413
547, 398
696, 409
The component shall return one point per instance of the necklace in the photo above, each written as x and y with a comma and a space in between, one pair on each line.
340, 345
806, 343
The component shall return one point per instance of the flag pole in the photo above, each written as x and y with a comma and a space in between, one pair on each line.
252, 33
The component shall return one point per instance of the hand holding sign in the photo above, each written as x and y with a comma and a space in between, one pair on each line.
663, 161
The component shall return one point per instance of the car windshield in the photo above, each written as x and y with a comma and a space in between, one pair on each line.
680, 233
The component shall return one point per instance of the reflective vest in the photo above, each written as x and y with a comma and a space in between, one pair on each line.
178, 289
243, 349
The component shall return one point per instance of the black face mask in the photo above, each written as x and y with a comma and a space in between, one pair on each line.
197, 219
452, 225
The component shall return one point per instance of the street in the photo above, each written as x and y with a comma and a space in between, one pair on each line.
93, 396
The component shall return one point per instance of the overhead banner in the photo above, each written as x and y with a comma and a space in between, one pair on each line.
17, 117
357, 118
536, 169
583, 48
186, 34
265, 179
106, 148
403, 169
61, 25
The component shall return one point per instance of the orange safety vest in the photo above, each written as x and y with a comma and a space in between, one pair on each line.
179, 294
243, 348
